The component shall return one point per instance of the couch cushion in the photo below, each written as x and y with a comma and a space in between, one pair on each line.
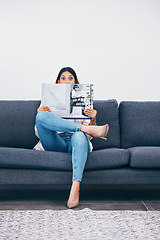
145, 157
17, 120
140, 123
107, 112
108, 158
33, 159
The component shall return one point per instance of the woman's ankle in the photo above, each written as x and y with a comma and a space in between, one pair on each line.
76, 184
85, 128
74, 192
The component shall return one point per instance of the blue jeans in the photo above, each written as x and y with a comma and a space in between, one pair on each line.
76, 143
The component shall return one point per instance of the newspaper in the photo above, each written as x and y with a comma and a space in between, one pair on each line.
68, 100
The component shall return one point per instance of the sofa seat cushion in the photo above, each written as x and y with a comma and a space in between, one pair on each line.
108, 158
33, 159
145, 157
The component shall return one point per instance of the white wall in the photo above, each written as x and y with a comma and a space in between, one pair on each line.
114, 44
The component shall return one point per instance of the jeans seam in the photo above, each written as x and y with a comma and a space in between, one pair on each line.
73, 158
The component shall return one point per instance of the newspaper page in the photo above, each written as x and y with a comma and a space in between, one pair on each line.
68, 100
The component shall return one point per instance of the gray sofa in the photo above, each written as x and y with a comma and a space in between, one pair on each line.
131, 155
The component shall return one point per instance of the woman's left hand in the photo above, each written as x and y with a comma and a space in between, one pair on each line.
91, 113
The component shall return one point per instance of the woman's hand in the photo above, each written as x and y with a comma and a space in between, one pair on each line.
46, 109
91, 113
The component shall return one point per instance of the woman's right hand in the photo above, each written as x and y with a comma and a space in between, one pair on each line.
46, 109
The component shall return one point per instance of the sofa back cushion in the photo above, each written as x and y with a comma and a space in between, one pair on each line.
17, 119
107, 112
140, 123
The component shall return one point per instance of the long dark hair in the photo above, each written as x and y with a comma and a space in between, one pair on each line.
67, 69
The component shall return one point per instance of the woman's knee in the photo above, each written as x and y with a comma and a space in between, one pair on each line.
79, 138
41, 116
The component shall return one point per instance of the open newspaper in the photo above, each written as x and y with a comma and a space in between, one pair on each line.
68, 100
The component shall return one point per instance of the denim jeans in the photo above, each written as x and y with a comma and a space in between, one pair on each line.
76, 143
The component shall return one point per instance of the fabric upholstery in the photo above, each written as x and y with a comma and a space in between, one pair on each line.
139, 123
17, 122
137, 164
107, 112
17, 119
145, 157
33, 159
125, 175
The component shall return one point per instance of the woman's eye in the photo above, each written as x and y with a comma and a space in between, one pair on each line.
71, 79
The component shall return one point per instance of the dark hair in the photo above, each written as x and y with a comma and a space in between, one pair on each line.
67, 69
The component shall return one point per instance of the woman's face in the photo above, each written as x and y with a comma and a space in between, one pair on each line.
66, 78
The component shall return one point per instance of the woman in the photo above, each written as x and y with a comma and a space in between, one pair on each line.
72, 136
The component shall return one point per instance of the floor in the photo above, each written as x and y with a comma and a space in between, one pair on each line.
135, 198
